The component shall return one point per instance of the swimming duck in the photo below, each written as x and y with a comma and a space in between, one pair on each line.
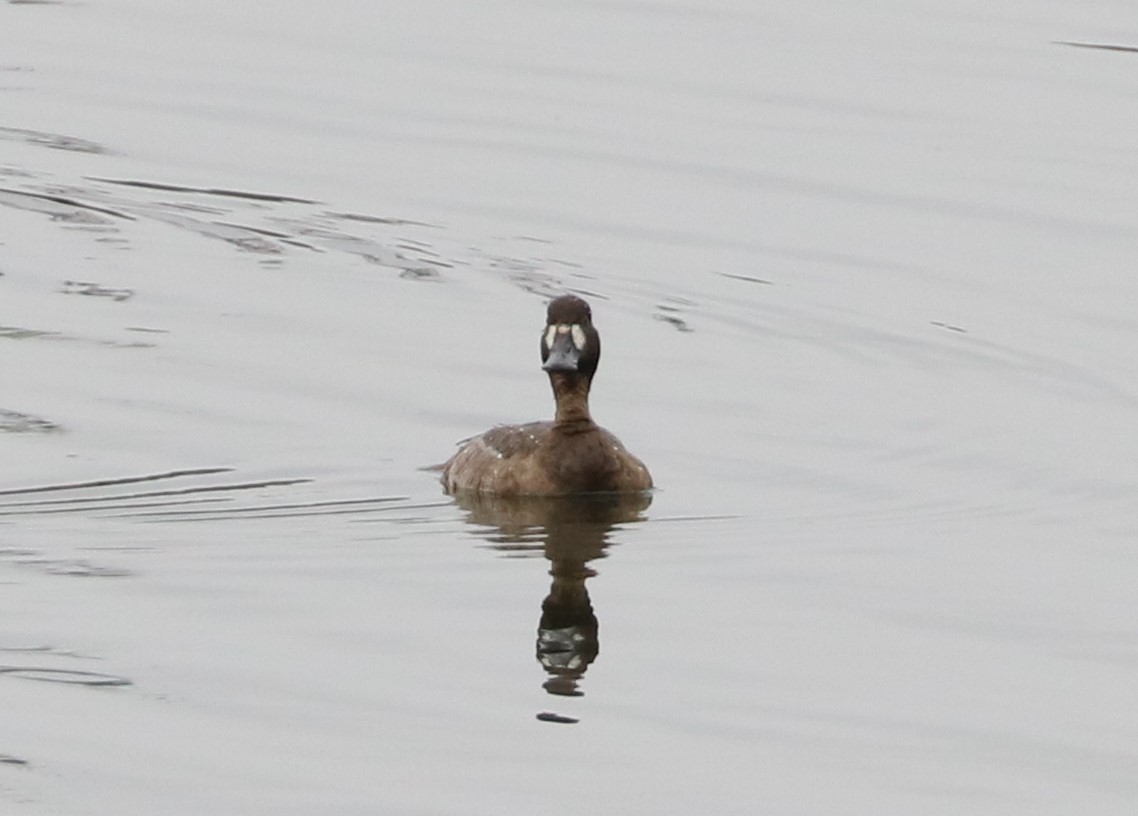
571, 454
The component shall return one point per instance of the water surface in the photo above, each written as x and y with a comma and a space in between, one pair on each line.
863, 281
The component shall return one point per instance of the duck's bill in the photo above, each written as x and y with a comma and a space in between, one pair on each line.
564, 355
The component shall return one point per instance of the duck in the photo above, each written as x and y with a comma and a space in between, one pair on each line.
569, 455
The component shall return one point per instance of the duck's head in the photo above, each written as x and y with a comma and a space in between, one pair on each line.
569, 343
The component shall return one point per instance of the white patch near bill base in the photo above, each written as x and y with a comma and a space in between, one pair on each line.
563, 328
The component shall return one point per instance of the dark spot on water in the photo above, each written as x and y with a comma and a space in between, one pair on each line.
59, 207
355, 507
415, 246
299, 244
72, 676
420, 274
671, 312
101, 502
527, 276
73, 568
1131, 49
249, 239
948, 326
679, 323
17, 422
569, 264
747, 278
259, 230
251, 244
71, 287
376, 219
45, 649
189, 206
216, 191
668, 316
549, 716
8, 759
440, 264
18, 333
150, 477
56, 141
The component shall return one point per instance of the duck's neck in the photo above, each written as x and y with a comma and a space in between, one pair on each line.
571, 391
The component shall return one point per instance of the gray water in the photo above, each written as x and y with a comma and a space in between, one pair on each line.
864, 278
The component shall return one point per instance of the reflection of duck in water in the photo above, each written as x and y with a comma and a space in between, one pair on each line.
571, 454
573, 530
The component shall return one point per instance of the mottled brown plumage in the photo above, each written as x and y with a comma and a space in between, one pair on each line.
571, 454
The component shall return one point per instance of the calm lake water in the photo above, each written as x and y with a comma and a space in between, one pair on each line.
865, 280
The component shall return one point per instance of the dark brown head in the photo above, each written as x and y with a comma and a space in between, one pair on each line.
569, 343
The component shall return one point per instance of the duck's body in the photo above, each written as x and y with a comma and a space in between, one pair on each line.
545, 459
571, 454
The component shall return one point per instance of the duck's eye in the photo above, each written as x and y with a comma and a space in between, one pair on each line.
578, 337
